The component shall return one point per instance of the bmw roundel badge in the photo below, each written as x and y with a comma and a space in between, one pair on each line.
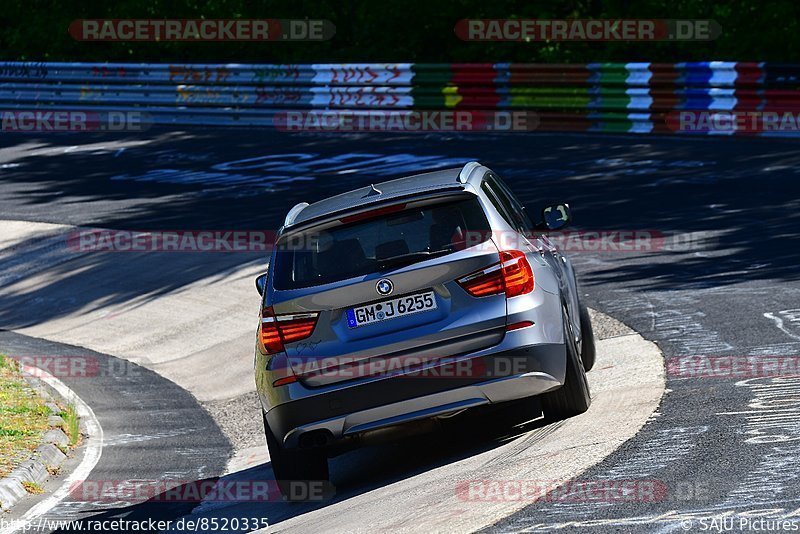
384, 286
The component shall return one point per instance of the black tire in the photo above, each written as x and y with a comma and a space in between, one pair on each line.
588, 351
296, 469
573, 397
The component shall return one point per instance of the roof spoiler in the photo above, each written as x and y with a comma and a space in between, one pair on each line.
465, 173
294, 212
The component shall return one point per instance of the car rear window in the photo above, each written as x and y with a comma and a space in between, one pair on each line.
390, 241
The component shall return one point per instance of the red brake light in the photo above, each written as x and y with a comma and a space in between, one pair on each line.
486, 282
277, 330
512, 275
517, 273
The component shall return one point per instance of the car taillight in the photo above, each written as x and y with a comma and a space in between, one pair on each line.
489, 281
277, 330
517, 273
512, 275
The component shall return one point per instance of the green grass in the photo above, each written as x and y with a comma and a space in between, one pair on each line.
71, 425
23, 416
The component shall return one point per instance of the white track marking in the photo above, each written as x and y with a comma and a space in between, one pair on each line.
779, 323
94, 449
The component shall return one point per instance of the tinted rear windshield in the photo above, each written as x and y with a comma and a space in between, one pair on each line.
390, 241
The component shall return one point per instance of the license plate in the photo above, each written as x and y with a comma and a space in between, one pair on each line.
390, 309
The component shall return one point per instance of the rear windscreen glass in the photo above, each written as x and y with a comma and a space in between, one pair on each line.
374, 245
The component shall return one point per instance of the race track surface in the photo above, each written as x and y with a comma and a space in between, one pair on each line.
719, 279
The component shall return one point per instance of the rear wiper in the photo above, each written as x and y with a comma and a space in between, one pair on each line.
409, 258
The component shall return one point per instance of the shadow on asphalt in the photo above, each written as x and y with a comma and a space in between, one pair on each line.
104, 279
744, 191
353, 473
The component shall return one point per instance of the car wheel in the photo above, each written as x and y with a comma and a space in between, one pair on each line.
296, 469
573, 397
588, 352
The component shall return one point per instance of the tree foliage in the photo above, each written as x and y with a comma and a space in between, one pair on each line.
401, 31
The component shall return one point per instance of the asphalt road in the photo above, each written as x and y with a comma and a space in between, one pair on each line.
189, 318
152, 430
727, 286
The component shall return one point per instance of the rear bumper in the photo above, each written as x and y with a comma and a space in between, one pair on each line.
492, 378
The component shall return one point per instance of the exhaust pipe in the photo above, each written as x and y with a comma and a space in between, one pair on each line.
315, 438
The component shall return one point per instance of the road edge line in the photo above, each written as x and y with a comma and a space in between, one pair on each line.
92, 454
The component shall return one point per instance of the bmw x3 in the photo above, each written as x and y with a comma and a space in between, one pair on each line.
413, 300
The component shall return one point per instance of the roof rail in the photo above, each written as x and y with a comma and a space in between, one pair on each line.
463, 176
294, 212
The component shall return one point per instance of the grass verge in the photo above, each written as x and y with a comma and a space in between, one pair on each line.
71, 425
23, 416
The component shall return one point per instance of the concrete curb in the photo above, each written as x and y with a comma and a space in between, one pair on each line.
45, 460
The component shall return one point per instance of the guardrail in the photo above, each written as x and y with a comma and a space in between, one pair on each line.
615, 97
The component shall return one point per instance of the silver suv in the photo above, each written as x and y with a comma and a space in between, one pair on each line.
408, 301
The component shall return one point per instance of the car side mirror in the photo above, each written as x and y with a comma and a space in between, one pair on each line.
556, 216
261, 284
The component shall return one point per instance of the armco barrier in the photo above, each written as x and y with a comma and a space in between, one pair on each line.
615, 97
